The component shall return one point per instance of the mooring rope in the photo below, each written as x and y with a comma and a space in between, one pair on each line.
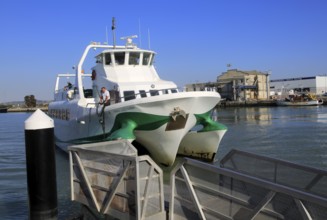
101, 114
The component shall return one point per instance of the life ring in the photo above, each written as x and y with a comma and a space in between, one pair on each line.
94, 75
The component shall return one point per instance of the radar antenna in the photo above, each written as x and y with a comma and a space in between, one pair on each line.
129, 40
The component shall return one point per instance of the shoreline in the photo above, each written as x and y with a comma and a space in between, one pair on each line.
248, 103
45, 109
221, 104
256, 103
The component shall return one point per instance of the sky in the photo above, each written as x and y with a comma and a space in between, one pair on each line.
194, 40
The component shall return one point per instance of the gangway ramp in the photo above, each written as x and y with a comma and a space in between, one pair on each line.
113, 181
247, 186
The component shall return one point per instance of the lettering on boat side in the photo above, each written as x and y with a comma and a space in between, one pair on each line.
63, 114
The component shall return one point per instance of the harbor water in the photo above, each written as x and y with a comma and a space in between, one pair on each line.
295, 134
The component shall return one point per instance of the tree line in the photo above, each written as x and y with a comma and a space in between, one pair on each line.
30, 101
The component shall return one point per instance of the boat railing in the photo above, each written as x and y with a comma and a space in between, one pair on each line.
115, 98
154, 92
59, 76
149, 93
69, 91
129, 95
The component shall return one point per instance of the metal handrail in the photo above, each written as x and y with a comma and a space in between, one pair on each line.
317, 174
191, 172
277, 187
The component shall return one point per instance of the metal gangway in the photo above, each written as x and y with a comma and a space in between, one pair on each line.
110, 178
248, 186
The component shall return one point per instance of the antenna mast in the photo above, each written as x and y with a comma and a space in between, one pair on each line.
113, 27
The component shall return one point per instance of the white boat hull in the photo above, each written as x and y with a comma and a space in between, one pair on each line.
159, 123
202, 145
299, 103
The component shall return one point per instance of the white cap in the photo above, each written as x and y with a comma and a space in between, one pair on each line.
38, 120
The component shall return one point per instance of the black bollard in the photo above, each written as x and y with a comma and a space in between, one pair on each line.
41, 166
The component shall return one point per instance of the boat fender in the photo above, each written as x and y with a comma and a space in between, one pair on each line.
94, 75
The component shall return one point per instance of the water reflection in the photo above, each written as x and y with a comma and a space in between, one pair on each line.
294, 134
66, 208
322, 118
260, 116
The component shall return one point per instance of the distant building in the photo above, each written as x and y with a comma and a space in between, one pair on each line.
243, 85
312, 84
209, 86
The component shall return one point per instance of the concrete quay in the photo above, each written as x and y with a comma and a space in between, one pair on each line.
257, 103
45, 109
248, 103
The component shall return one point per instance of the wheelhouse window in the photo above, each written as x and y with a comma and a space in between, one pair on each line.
152, 60
154, 92
174, 91
134, 58
146, 58
142, 93
129, 95
107, 58
119, 58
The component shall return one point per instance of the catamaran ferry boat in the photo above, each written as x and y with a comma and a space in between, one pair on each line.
144, 109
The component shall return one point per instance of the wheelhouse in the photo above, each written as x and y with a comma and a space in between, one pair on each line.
127, 72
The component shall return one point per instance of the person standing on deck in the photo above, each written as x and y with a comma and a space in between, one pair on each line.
104, 97
105, 101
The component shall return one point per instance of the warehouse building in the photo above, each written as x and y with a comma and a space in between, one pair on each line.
313, 84
238, 85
